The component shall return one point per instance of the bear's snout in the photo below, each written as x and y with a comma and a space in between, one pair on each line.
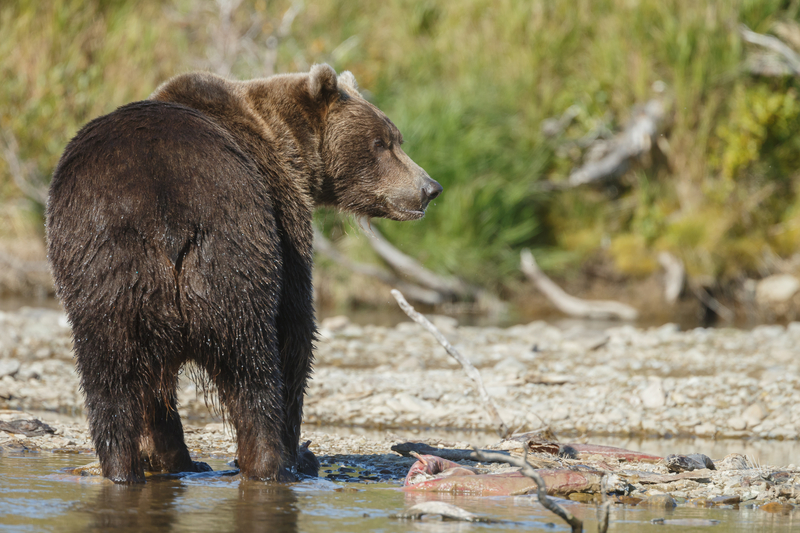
430, 190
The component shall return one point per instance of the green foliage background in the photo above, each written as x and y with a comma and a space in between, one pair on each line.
469, 82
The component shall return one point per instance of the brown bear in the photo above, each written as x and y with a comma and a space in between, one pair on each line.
180, 230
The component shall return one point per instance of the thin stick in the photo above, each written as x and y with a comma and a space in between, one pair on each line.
470, 370
529, 471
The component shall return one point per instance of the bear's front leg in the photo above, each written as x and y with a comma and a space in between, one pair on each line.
296, 333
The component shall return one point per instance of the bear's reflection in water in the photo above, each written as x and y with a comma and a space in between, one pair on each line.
166, 505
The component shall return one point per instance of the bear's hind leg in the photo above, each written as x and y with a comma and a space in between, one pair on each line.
163, 447
255, 411
116, 423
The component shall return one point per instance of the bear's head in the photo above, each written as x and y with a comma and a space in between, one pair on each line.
366, 172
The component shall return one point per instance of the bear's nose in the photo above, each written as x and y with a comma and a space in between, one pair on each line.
431, 190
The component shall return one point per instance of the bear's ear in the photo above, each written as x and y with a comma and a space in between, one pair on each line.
347, 78
322, 81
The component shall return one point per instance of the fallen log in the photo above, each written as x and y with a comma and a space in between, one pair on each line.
568, 304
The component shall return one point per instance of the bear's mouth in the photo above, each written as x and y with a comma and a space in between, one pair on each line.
402, 214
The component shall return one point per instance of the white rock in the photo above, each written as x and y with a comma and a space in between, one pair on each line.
737, 423
705, 430
776, 289
8, 367
653, 396
753, 415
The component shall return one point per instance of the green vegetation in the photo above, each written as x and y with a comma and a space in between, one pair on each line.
469, 83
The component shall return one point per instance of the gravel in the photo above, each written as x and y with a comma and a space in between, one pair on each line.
579, 380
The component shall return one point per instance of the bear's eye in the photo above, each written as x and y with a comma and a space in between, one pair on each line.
378, 143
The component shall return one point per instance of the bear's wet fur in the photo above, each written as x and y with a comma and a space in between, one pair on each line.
180, 230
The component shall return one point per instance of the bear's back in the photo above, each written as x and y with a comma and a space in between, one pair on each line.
155, 171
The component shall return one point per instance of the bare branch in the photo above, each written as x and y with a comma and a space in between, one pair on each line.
407, 266
470, 370
674, 276
416, 293
22, 172
527, 470
772, 43
570, 305
635, 140
712, 303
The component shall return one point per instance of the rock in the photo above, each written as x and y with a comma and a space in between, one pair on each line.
8, 367
777, 507
442, 509
733, 461
653, 396
753, 415
776, 289
688, 463
335, 323
659, 501
705, 430
726, 500
737, 423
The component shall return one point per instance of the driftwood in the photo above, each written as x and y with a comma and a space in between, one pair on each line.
570, 305
416, 293
447, 511
575, 523
470, 370
789, 62
451, 288
674, 276
408, 449
635, 140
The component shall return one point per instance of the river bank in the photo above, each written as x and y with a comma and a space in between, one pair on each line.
579, 380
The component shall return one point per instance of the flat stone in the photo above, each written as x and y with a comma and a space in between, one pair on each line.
726, 500
659, 501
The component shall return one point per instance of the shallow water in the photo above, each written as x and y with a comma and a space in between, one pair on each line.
35, 495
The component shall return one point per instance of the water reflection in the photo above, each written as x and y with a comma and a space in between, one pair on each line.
147, 507
266, 507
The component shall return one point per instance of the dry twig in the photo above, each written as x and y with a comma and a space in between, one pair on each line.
527, 470
570, 305
470, 370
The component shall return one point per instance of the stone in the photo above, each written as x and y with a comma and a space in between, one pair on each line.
776, 289
706, 429
737, 423
653, 396
659, 501
753, 415
8, 367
